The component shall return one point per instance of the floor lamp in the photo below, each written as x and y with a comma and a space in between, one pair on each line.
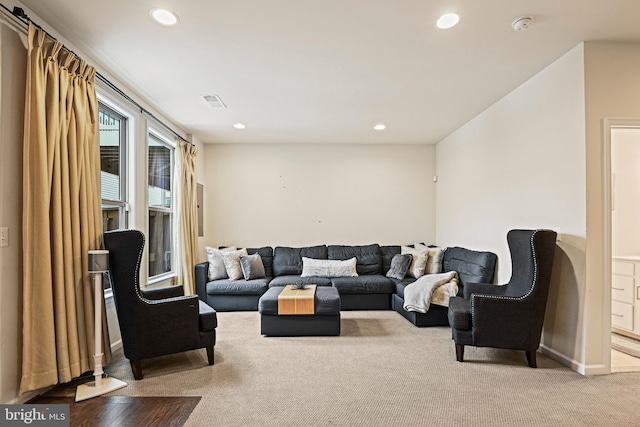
98, 265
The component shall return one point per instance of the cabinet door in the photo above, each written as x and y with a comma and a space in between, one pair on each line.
622, 315
622, 289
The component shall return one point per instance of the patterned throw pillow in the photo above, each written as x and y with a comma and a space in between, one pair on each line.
252, 266
232, 263
399, 266
328, 267
419, 263
216, 265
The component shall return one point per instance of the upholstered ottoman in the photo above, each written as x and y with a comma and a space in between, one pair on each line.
324, 321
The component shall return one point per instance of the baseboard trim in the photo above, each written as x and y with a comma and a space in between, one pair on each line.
117, 345
581, 368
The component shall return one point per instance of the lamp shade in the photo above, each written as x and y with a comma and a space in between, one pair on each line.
98, 261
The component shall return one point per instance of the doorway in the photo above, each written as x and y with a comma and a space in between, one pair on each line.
625, 246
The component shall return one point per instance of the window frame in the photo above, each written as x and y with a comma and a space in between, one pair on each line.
123, 203
169, 142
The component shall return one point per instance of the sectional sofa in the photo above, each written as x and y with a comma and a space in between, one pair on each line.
369, 290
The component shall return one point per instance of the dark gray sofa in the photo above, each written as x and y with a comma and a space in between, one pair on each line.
370, 290
471, 266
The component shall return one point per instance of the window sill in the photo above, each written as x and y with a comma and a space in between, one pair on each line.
161, 281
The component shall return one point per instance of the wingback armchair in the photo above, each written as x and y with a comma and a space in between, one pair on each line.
152, 324
508, 316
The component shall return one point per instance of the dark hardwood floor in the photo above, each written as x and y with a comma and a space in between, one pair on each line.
118, 411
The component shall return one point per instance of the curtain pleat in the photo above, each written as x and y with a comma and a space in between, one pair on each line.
62, 217
187, 215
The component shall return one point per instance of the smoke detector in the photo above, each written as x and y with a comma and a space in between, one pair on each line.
522, 23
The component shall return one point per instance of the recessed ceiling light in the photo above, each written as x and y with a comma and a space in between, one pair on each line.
447, 20
379, 126
164, 17
239, 126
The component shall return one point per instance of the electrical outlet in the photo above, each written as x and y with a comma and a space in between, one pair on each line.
4, 237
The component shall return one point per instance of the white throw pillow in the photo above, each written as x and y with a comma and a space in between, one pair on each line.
434, 263
232, 263
328, 267
419, 263
217, 269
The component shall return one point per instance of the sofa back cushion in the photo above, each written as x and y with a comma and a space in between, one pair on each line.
288, 261
472, 266
266, 253
368, 258
387, 253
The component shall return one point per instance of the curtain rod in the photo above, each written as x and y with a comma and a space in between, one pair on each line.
19, 13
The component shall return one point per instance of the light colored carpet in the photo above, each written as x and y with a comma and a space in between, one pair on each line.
382, 371
625, 345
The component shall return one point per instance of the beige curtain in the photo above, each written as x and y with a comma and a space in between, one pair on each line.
187, 215
61, 215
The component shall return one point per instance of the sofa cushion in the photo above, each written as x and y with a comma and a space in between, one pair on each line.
460, 313
399, 266
238, 287
292, 279
232, 263
266, 253
368, 258
327, 301
386, 254
208, 319
367, 284
252, 267
328, 267
472, 266
287, 261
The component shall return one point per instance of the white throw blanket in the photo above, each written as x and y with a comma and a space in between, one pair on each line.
421, 293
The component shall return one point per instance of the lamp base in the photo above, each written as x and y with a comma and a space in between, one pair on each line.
89, 390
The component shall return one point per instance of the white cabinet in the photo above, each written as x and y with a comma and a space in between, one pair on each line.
625, 295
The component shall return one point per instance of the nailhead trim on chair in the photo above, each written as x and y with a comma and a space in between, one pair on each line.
137, 276
535, 281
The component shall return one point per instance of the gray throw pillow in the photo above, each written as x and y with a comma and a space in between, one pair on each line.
399, 266
252, 267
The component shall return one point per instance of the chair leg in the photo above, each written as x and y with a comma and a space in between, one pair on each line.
531, 359
459, 352
136, 367
210, 355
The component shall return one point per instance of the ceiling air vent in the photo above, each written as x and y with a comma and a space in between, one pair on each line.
214, 101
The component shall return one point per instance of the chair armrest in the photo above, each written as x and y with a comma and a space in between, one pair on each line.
158, 327
500, 321
202, 277
482, 288
162, 293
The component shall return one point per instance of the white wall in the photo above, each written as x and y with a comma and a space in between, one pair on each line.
625, 217
12, 85
521, 164
297, 195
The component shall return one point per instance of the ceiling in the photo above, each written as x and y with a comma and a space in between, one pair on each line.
309, 71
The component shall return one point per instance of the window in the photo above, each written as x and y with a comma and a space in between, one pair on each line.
113, 141
160, 177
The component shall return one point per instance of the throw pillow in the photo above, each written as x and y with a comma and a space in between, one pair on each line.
252, 266
232, 263
216, 265
328, 267
399, 266
434, 263
419, 263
